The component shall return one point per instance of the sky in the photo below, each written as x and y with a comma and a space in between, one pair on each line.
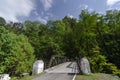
44, 10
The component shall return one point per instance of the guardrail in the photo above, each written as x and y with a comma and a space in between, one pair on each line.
55, 60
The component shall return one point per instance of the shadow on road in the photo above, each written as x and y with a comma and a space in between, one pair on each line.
70, 65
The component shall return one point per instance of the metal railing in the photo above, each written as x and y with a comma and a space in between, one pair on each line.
78, 64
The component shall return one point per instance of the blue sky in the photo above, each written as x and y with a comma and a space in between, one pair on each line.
44, 10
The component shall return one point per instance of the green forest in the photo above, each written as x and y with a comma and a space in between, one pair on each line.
95, 36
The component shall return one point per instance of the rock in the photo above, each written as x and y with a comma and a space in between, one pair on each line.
38, 67
4, 77
85, 66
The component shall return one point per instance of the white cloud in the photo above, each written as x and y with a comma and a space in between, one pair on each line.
47, 4
90, 9
69, 15
11, 9
49, 14
112, 2
42, 20
83, 6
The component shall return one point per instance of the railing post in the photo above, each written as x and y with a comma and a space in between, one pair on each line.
78, 63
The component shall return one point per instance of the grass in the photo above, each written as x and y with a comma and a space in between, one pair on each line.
27, 77
97, 76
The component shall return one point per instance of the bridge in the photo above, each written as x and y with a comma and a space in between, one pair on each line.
65, 70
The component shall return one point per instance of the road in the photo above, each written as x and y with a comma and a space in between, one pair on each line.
57, 76
65, 71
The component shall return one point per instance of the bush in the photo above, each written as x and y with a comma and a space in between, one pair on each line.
99, 64
111, 68
16, 53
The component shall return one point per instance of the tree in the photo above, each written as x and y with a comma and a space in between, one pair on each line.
16, 53
2, 21
46, 39
70, 40
108, 36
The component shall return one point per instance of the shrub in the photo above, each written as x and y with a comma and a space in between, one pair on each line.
99, 64
16, 53
111, 68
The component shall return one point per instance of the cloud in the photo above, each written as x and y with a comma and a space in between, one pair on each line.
49, 14
47, 4
42, 20
45, 17
112, 2
83, 6
69, 15
90, 9
11, 9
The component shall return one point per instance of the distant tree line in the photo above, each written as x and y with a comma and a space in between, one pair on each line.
95, 36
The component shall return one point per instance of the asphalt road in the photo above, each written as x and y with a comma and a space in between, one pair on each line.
65, 71
55, 76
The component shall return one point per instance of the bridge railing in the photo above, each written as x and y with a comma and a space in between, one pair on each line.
56, 59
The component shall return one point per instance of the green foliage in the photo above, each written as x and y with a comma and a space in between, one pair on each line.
97, 63
16, 54
111, 69
108, 36
94, 35
100, 64
2, 21
46, 40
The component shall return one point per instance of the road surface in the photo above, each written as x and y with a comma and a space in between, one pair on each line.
65, 71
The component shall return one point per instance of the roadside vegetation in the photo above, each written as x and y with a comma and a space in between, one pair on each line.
28, 77
97, 76
95, 36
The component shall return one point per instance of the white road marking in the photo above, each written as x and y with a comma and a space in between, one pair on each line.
74, 77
